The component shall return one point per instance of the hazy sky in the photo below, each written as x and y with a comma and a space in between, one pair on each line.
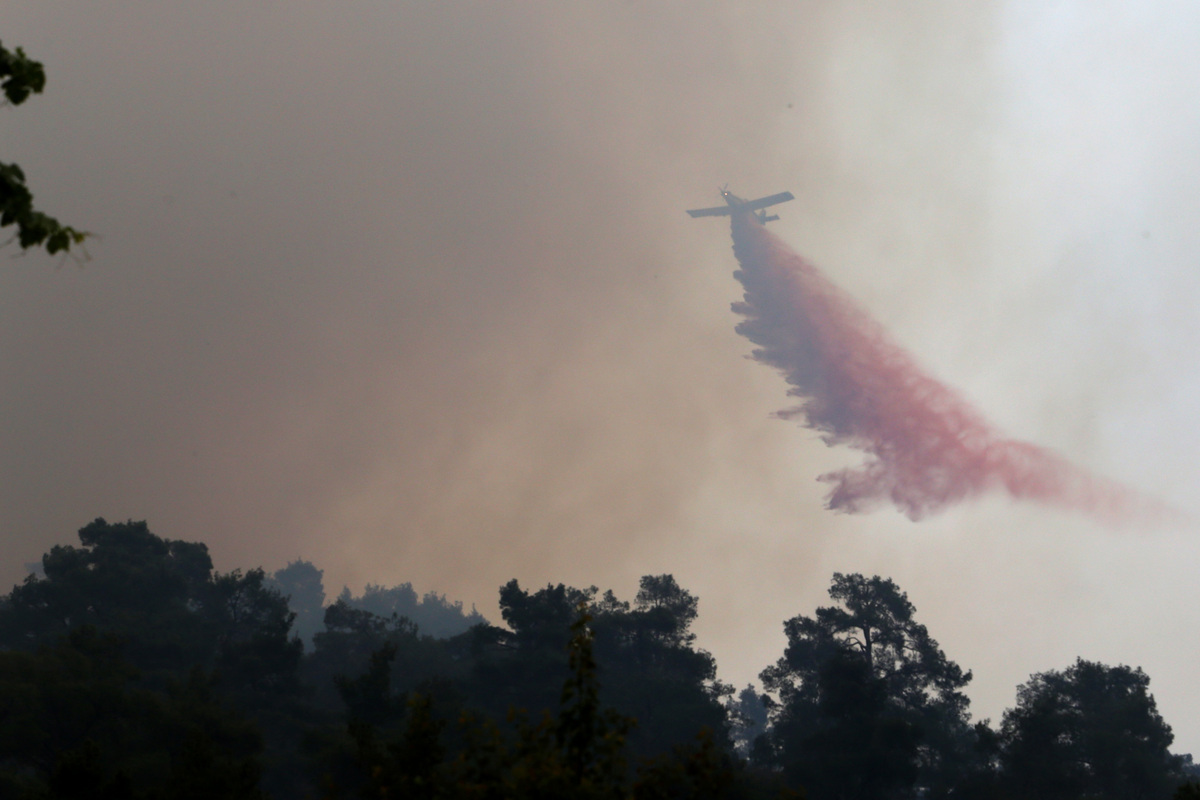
407, 289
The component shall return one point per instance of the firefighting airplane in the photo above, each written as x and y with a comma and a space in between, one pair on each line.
735, 203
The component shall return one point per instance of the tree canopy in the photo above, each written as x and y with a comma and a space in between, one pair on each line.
164, 600
649, 666
132, 668
435, 615
863, 679
301, 583
576, 751
1089, 730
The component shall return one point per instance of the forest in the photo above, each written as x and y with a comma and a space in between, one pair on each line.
129, 667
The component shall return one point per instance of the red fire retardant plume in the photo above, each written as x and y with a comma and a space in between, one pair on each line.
926, 448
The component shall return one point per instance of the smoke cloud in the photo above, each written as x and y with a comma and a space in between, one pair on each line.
407, 290
926, 447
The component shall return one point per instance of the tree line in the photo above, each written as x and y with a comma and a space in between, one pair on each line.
132, 668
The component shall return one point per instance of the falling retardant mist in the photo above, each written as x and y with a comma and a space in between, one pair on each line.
925, 447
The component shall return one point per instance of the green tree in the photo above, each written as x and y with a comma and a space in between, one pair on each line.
1088, 731
866, 671
666, 611
74, 722
123, 580
522, 668
173, 614
579, 751
352, 639
748, 719
652, 670
303, 586
21, 76
250, 624
163, 599
648, 664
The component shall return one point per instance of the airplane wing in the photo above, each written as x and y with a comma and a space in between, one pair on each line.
769, 200
719, 211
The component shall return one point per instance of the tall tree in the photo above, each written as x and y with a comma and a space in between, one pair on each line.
303, 586
866, 671
652, 670
121, 579
666, 610
174, 614
351, 639
163, 598
748, 719
1088, 731
648, 665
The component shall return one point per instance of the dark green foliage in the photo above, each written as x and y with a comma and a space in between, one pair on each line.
628, 659
173, 615
542, 619
648, 667
409, 766
493, 670
589, 736
369, 697
74, 722
869, 706
252, 627
526, 666
980, 778
1187, 791
857, 745
666, 611
124, 580
578, 752
351, 640
1088, 731
133, 669
702, 770
200, 771
57, 697
21, 76
165, 602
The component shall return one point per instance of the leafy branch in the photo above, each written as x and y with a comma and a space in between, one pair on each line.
21, 76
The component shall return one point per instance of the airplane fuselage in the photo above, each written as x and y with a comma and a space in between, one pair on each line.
738, 204
735, 204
